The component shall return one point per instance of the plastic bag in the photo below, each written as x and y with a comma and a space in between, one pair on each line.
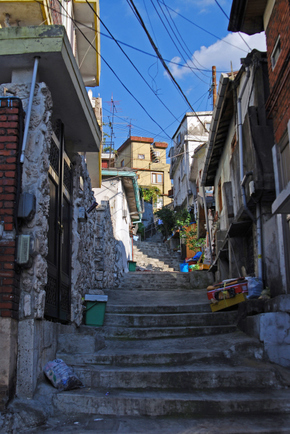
255, 287
61, 376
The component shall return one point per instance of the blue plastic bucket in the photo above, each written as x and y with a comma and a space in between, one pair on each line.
183, 267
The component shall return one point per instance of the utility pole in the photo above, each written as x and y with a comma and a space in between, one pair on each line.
213, 86
113, 110
130, 128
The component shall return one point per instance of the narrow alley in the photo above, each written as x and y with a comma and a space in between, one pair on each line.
163, 362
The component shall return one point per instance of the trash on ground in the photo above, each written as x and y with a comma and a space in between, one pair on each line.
227, 293
61, 376
255, 287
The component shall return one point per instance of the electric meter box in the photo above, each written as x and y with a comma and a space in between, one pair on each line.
23, 249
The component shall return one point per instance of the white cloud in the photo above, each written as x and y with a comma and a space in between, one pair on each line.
230, 49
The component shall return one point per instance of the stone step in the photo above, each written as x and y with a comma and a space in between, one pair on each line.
179, 378
184, 308
227, 348
92, 424
111, 332
159, 301
169, 319
151, 403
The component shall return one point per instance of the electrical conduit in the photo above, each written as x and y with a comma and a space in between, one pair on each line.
28, 113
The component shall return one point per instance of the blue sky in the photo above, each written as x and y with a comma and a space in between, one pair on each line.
185, 43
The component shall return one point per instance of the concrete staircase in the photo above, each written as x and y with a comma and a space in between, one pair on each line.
164, 358
156, 256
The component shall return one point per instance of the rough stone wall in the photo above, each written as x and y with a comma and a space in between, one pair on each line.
35, 181
94, 257
93, 243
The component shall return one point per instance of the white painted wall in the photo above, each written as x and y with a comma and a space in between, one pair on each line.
192, 134
112, 190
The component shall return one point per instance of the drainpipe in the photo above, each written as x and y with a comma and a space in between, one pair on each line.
259, 241
240, 136
28, 113
207, 223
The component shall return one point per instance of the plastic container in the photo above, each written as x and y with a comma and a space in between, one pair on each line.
183, 267
95, 309
132, 265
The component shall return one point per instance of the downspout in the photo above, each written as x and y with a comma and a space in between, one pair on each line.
28, 113
240, 138
207, 223
259, 241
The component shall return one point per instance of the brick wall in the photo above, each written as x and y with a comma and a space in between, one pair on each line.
278, 104
10, 112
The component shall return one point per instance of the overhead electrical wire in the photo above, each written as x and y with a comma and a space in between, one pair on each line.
162, 60
229, 21
115, 74
180, 36
125, 54
206, 31
170, 36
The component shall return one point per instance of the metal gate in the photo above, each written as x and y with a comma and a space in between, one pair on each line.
57, 304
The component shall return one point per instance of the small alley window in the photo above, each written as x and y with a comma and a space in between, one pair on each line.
276, 53
122, 163
285, 161
141, 156
157, 178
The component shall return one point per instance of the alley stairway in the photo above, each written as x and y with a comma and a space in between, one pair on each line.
155, 255
164, 359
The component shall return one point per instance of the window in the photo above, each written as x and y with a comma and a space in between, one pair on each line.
141, 156
285, 162
276, 52
178, 139
157, 178
122, 163
207, 125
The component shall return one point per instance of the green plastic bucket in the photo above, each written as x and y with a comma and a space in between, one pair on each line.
95, 309
132, 265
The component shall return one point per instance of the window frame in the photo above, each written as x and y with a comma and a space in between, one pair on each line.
274, 57
156, 174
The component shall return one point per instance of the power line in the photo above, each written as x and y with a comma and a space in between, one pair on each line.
183, 41
230, 20
115, 74
154, 55
203, 29
173, 39
125, 54
162, 60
